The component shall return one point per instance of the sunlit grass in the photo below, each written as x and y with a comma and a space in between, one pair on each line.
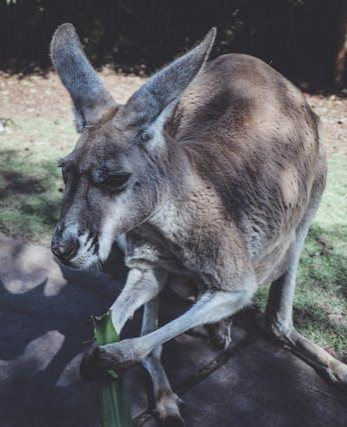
29, 176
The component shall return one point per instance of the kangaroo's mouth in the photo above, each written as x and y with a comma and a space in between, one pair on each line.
85, 254
90, 263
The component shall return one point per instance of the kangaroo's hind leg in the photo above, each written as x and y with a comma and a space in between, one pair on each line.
279, 310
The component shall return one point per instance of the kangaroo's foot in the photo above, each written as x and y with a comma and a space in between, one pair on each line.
311, 353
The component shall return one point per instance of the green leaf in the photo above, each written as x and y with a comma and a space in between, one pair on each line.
114, 400
104, 330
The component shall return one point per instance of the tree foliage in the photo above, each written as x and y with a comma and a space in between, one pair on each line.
298, 37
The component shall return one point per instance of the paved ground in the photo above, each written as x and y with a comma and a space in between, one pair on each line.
45, 327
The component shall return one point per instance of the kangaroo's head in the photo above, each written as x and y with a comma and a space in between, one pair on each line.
114, 177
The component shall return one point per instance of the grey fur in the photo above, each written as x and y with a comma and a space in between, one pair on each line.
221, 190
165, 87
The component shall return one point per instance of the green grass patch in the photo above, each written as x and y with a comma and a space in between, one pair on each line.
29, 177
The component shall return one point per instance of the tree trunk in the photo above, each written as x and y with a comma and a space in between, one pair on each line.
341, 46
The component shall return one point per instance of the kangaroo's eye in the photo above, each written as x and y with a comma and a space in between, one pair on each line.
69, 177
115, 182
64, 175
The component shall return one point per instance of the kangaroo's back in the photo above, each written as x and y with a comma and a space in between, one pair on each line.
251, 134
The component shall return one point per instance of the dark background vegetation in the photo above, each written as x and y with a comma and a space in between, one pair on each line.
304, 39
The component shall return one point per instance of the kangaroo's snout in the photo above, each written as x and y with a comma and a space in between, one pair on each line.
64, 244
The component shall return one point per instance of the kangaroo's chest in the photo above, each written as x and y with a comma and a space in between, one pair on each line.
147, 246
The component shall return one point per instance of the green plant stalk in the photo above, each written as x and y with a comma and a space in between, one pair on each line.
114, 399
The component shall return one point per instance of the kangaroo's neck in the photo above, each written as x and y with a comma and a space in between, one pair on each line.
188, 200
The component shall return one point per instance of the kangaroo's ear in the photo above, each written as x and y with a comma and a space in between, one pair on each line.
154, 102
92, 102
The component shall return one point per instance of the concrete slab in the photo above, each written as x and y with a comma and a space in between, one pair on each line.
45, 328
263, 386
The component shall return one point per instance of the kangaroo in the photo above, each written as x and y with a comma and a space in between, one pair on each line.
212, 170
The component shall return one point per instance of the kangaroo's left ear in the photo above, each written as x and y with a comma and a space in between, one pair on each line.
153, 103
91, 100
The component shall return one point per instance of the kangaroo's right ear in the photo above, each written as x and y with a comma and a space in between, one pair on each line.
152, 104
92, 102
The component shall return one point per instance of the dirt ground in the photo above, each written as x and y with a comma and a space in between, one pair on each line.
44, 96
332, 110
37, 95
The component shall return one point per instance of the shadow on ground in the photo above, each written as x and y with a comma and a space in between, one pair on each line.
45, 317
45, 320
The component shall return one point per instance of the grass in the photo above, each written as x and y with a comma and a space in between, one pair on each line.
29, 177
29, 208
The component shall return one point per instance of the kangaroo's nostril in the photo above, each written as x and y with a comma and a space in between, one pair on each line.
65, 249
70, 248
